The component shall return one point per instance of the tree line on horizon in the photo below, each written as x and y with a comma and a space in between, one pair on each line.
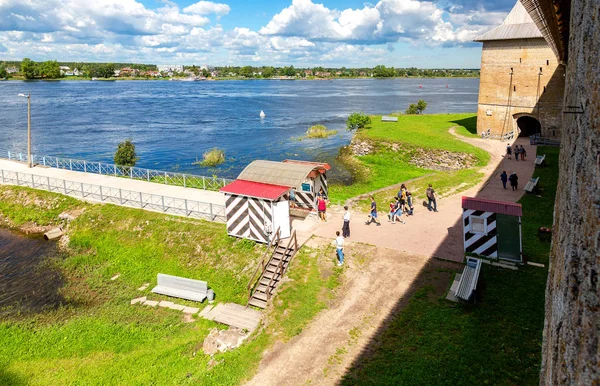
51, 70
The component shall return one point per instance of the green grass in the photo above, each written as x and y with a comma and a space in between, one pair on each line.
495, 342
537, 209
386, 167
99, 338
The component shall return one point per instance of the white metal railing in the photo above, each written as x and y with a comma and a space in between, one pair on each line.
147, 201
537, 139
150, 175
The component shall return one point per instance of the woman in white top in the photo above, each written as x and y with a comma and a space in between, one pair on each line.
346, 226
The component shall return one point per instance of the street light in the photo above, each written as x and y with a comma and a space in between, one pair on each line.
28, 96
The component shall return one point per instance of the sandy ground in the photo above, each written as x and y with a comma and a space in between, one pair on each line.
375, 287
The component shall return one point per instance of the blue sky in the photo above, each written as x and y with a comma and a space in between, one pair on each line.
303, 33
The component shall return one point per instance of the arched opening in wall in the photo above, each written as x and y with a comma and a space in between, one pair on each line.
528, 126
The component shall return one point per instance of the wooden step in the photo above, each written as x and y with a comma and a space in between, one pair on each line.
265, 281
257, 303
268, 275
260, 295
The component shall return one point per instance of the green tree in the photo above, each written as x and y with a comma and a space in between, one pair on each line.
268, 72
125, 154
49, 69
28, 68
3, 74
417, 108
357, 121
247, 71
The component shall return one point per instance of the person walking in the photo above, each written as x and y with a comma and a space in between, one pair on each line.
514, 181
431, 198
504, 178
393, 207
516, 152
346, 226
293, 198
373, 213
398, 213
409, 203
322, 207
402, 196
523, 153
508, 151
339, 246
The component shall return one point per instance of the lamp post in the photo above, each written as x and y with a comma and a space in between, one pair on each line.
28, 96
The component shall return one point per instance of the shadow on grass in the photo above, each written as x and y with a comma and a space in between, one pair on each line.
9, 378
427, 340
468, 123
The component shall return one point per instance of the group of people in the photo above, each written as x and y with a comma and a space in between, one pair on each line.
513, 179
519, 151
401, 204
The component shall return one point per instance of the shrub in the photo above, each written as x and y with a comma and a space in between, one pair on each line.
357, 121
213, 157
417, 108
125, 154
319, 131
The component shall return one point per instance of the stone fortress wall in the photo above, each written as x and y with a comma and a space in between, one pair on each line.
535, 89
571, 347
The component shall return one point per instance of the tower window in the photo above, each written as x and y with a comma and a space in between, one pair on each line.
519, 60
547, 62
514, 88
544, 88
540, 70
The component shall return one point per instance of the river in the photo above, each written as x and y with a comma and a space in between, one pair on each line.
174, 123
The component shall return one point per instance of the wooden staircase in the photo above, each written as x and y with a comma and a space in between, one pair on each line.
273, 266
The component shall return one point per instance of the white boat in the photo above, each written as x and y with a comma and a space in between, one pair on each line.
262, 114
94, 78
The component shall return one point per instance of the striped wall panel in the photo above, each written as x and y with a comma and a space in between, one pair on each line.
479, 243
305, 200
249, 218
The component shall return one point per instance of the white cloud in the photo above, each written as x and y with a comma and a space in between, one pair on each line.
302, 33
207, 8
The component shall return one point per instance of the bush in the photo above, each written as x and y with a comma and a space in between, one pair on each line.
125, 154
212, 157
357, 121
417, 108
319, 131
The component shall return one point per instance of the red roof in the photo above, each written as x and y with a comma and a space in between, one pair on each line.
501, 207
255, 189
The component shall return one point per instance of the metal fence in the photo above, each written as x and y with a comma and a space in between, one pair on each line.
153, 202
536, 139
158, 176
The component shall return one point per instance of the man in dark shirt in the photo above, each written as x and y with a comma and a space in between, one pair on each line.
373, 214
431, 198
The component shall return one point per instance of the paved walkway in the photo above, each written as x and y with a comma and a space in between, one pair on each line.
428, 233
206, 196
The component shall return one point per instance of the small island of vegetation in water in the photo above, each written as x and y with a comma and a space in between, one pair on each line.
213, 157
319, 131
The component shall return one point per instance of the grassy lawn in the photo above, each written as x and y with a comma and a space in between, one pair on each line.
385, 167
97, 337
495, 342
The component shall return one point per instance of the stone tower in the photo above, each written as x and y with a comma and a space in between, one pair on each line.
521, 83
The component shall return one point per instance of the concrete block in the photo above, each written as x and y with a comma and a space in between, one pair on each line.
151, 303
166, 304
205, 311
138, 300
143, 287
177, 307
190, 310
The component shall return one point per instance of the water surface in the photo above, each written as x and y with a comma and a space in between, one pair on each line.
173, 123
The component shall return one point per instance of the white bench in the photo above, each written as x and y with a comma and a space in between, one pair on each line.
181, 287
468, 279
539, 160
387, 118
531, 185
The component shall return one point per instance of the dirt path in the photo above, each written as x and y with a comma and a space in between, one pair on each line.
373, 289
322, 352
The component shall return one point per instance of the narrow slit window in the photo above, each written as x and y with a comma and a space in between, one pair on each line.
520, 60
515, 88
544, 88
547, 62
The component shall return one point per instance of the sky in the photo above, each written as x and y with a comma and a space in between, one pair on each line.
303, 33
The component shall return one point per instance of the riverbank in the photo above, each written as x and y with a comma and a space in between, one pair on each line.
96, 336
387, 153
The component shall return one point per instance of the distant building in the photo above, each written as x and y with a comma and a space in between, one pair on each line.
521, 84
170, 68
12, 70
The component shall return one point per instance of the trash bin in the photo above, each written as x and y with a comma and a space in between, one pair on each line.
210, 294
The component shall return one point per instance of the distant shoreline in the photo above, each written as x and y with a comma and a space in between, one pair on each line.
78, 79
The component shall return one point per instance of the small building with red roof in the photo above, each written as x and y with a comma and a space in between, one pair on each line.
257, 203
492, 228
